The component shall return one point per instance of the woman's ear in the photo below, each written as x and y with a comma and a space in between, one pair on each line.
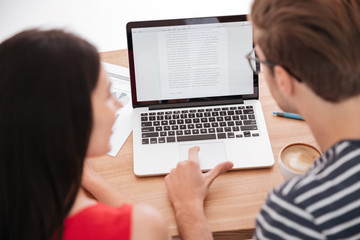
284, 80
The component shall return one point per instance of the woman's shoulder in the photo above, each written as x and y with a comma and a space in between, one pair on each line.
99, 221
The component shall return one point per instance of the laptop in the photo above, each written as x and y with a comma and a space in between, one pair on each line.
191, 85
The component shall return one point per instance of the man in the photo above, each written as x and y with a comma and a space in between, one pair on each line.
309, 52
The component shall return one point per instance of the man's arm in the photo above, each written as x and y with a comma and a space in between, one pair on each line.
187, 189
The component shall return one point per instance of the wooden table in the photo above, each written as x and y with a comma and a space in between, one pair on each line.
234, 198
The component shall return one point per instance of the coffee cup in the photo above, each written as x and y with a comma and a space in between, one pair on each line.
296, 159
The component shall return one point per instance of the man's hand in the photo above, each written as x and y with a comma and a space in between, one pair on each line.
187, 189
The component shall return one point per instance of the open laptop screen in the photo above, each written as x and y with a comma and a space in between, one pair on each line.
191, 59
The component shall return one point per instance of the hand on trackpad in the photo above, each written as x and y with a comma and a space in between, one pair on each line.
210, 154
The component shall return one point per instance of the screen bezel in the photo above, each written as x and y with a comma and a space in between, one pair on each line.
175, 22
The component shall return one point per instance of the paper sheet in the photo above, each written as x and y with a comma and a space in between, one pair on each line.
120, 87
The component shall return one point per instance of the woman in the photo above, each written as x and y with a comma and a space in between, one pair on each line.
55, 111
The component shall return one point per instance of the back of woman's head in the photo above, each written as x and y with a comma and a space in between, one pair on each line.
46, 80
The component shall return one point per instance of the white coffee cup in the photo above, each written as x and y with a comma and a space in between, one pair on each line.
296, 159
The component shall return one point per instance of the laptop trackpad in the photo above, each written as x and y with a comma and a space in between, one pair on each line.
210, 154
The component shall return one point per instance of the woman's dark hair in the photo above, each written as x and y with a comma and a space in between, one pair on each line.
46, 81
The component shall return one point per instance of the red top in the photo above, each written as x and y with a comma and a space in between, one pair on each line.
99, 221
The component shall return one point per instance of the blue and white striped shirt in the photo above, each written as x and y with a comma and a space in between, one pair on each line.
324, 203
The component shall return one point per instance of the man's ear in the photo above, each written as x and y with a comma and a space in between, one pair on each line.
284, 80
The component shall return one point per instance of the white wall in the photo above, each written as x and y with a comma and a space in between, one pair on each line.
103, 22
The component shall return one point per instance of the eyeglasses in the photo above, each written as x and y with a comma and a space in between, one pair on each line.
255, 64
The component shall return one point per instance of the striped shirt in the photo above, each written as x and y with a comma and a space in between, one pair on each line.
324, 203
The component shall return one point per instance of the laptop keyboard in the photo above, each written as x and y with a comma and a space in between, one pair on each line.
198, 124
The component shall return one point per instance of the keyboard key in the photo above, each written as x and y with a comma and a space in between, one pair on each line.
182, 126
147, 129
164, 123
166, 128
195, 131
227, 129
221, 135
203, 131
230, 124
249, 122
198, 125
251, 116
146, 124
187, 132
156, 123
163, 134
206, 125
161, 140
230, 113
247, 134
248, 111
230, 135
145, 141
171, 133
195, 137
255, 134
144, 114
153, 140
219, 130
248, 127
159, 129
150, 134
144, 118
170, 139
203, 120
179, 132
175, 127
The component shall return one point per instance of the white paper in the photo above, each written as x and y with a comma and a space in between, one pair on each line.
120, 87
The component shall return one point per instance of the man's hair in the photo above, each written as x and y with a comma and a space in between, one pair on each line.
46, 81
317, 40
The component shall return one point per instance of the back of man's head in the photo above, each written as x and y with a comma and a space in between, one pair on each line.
318, 40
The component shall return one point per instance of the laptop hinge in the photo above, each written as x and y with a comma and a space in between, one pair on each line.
195, 104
